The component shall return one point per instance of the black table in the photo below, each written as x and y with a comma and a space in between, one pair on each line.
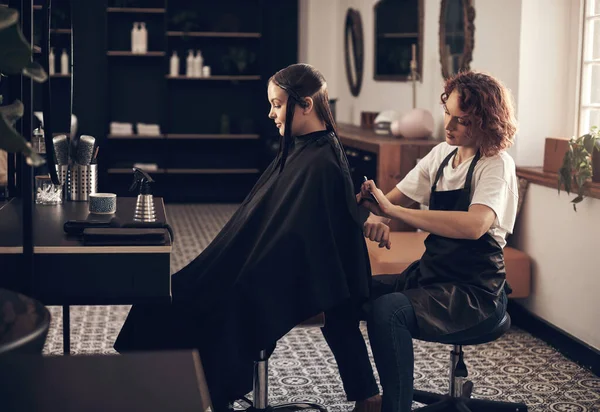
150, 382
68, 273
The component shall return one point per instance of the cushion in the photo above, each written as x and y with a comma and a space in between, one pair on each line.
408, 247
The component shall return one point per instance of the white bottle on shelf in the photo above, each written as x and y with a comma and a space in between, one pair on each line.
198, 62
64, 62
134, 37
189, 64
51, 62
174, 65
143, 39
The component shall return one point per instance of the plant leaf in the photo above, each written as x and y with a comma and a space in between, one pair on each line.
565, 178
36, 72
588, 142
12, 112
15, 53
8, 17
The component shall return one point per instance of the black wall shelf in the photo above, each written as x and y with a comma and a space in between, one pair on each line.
215, 133
213, 136
213, 34
233, 78
125, 53
134, 136
135, 10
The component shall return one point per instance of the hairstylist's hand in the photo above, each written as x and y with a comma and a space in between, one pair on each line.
364, 199
378, 232
383, 208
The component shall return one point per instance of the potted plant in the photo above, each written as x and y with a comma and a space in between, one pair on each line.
577, 167
15, 58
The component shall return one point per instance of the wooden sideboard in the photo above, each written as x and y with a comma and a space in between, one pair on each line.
389, 157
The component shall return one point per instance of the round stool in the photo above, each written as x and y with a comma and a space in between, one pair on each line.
24, 324
459, 396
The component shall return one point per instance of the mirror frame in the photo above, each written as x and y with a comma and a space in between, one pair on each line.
419, 42
353, 26
467, 54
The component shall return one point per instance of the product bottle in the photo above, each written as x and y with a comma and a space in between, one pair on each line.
198, 62
143, 38
64, 62
51, 61
134, 37
189, 64
174, 65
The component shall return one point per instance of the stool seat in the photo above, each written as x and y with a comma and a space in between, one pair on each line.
500, 329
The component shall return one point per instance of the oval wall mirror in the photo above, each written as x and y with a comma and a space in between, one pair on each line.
456, 36
354, 50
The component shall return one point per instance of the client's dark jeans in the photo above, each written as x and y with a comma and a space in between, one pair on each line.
391, 325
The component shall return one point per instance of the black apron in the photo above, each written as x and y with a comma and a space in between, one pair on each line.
458, 283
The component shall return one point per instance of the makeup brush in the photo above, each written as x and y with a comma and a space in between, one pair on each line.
85, 150
61, 149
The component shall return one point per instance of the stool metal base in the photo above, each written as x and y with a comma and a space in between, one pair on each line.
446, 403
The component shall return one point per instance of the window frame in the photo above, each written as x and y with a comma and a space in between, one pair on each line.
585, 75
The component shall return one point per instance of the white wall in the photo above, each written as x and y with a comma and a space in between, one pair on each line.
547, 75
491, 53
532, 46
374, 96
319, 37
563, 246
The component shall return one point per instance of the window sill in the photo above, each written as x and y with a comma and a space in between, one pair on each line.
537, 176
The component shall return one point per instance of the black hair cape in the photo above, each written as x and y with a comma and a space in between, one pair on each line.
293, 249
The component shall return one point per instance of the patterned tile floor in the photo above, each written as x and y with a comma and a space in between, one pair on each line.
518, 367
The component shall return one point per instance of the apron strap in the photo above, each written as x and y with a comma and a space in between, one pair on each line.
440, 170
469, 178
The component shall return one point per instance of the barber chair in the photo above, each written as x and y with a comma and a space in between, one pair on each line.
260, 391
459, 396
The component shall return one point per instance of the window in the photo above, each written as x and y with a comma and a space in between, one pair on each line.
589, 105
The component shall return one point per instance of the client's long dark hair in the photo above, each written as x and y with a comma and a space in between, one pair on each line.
300, 81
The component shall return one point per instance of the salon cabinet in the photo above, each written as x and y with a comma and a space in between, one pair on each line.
215, 133
385, 159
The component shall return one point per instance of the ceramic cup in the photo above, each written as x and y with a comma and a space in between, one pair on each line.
103, 203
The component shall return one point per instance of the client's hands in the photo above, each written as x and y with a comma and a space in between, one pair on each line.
378, 232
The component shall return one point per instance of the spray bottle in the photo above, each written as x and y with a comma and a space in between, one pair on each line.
144, 207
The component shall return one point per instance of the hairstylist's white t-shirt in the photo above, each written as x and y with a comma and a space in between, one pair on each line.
494, 185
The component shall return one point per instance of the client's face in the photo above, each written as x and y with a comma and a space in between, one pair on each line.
278, 99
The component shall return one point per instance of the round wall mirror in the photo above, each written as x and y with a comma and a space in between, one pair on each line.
456, 36
354, 50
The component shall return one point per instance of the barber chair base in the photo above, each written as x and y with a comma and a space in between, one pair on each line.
289, 407
260, 392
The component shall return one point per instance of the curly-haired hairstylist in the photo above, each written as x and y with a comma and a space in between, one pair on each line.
458, 287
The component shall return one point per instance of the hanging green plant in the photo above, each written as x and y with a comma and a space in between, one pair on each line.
15, 58
576, 169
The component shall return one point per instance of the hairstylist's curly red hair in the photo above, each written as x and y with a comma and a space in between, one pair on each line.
489, 106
